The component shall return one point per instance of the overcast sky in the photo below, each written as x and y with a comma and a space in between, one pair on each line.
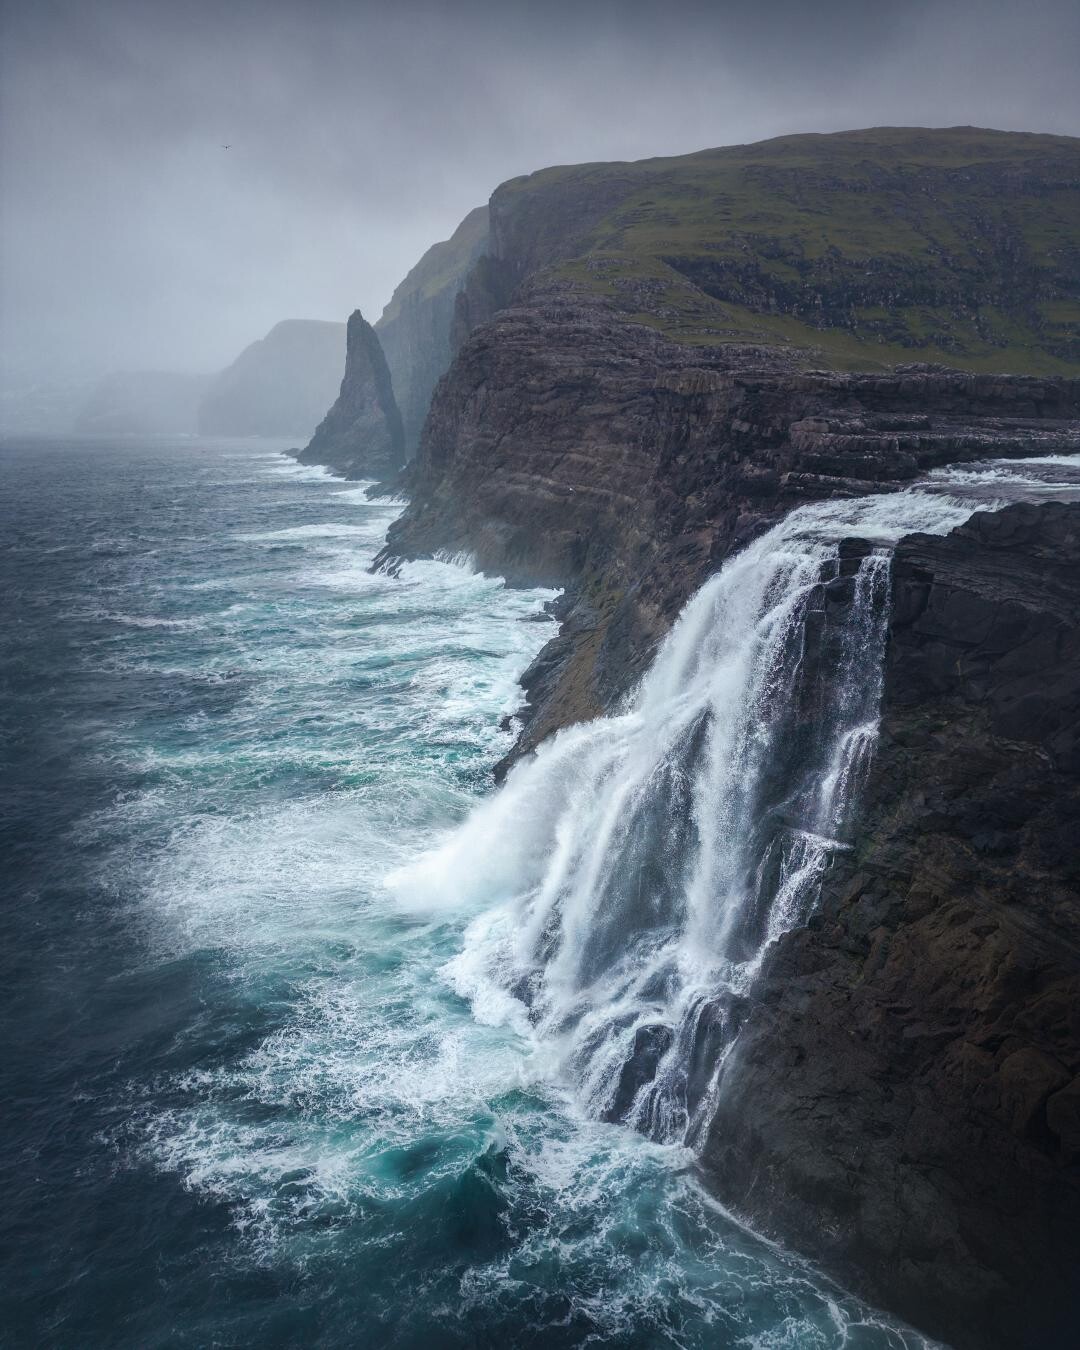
360, 133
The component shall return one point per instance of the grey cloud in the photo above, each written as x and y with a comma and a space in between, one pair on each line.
362, 132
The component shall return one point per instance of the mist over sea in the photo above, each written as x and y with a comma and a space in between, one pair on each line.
243, 1103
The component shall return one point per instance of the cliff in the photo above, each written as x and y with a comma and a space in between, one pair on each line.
361, 436
415, 327
904, 1099
279, 386
641, 373
854, 250
654, 362
572, 448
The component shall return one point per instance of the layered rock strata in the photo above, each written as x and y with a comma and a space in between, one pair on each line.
854, 250
904, 1106
569, 447
632, 400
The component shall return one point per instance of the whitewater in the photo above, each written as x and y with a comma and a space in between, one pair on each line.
320, 1040
632, 875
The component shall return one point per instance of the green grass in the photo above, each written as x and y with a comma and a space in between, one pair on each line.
862, 249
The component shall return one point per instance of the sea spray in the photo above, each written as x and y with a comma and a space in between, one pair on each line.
630, 876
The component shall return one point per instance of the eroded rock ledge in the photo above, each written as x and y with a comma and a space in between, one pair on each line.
904, 1099
569, 447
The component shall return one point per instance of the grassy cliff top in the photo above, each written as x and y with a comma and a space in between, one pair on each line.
864, 248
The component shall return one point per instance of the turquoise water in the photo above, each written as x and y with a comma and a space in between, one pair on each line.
246, 1105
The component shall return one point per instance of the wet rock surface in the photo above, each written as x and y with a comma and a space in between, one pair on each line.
902, 1102
903, 1105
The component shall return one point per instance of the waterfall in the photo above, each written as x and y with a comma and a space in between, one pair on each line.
631, 875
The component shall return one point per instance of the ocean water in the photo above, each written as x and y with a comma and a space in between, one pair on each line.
248, 1100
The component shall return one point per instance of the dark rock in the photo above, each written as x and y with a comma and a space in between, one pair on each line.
361, 436
902, 1103
903, 1100
651, 1043
416, 327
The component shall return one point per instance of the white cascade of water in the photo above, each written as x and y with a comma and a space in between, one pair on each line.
631, 875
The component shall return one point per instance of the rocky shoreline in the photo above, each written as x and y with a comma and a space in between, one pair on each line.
903, 1105
618, 418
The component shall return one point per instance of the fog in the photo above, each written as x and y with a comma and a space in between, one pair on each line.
360, 133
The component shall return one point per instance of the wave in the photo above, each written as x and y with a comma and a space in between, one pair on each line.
302, 473
299, 533
146, 620
358, 496
340, 1085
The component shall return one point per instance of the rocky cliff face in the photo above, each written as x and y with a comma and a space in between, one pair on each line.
279, 386
415, 328
616, 421
361, 436
653, 364
854, 250
904, 1098
903, 1106
850, 251
570, 447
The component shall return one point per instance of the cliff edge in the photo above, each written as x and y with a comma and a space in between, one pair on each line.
654, 360
654, 363
570, 448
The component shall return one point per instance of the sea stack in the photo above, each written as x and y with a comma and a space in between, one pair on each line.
361, 436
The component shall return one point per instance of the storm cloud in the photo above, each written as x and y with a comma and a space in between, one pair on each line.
360, 133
